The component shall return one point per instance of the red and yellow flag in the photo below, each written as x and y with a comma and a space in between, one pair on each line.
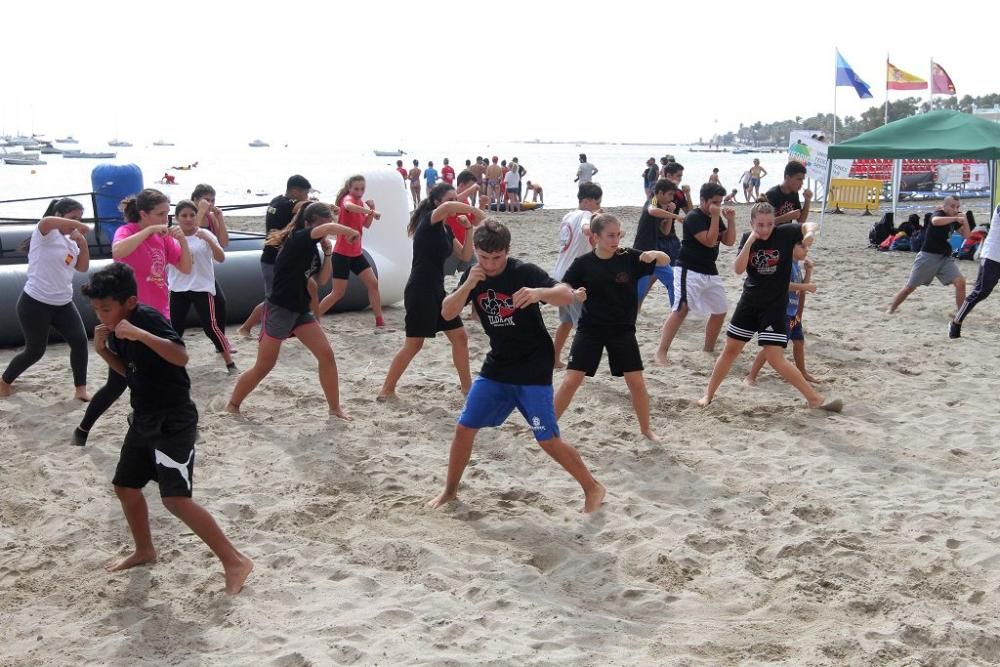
897, 79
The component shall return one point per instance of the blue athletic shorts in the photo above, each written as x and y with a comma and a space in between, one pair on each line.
489, 403
665, 274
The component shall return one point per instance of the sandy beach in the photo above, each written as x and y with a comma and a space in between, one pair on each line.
757, 533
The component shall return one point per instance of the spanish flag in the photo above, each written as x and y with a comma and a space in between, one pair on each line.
897, 79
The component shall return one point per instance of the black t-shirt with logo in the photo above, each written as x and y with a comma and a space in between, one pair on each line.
279, 214
769, 269
783, 203
937, 237
612, 302
297, 260
521, 350
155, 383
433, 243
694, 255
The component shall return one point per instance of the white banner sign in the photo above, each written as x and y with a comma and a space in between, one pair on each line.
811, 152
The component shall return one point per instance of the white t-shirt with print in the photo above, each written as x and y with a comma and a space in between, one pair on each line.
52, 261
202, 276
572, 241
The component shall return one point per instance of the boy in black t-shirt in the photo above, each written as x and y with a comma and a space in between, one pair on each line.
697, 286
517, 372
138, 343
934, 259
605, 280
766, 258
784, 198
656, 230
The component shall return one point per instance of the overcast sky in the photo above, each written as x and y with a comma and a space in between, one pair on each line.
402, 74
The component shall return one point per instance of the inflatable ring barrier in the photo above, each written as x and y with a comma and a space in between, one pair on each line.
386, 247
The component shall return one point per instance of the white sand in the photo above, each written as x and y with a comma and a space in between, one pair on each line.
758, 533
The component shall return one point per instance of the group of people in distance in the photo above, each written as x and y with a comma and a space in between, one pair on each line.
499, 184
598, 283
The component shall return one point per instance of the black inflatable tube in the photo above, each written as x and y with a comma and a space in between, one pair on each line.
239, 277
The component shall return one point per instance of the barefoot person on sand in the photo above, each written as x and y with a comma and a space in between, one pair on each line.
986, 279
358, 214
288, 310
517, 372
138, 343
766, 258
605, 281
934, 260
697, 285
433, 244
57, 249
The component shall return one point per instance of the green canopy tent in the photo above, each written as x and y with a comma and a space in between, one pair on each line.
936, 134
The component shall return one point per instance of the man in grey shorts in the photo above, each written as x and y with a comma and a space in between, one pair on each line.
934, 260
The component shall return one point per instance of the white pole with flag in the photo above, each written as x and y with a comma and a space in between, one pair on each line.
886, 88
836, 65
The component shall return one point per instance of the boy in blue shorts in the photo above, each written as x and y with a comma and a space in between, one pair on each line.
138, 343
517, 372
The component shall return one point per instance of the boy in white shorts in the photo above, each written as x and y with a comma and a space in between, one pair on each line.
574, 241
697, 286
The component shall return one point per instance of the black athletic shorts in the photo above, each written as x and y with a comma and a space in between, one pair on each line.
343, 266
588, 347
160, 446
770, 324
423, 314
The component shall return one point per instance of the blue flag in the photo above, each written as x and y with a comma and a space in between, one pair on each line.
848, 77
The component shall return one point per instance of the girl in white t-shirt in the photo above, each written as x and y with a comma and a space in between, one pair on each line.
197, 288
57, 249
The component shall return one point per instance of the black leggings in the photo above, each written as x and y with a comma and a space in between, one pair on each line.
103, 399
35, 318
206, 307
989, 274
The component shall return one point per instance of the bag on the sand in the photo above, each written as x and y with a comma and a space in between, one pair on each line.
887, 242
900, 243
880, 231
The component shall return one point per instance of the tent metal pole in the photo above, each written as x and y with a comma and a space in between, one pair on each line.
897, 177
826, 193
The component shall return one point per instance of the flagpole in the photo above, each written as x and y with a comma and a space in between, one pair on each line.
930, 86
886, 88
834, 140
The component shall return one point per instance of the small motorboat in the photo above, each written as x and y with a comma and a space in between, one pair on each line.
161, 142
49, 149
90, 156
67, 140
257, 143
396, 153
23, 161
119, 143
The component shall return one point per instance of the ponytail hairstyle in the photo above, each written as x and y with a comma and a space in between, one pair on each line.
304, 218
57, 207
425, 207
347, 188
62, 207
600, 222
144, 202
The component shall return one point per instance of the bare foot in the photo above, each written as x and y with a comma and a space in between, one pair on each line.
443, 499
386, 396
236, 576
834, 405
593, 499
5, 389
890, 310
810, 378
339, 413
81, 394
660, 358
232, 408
649, 435
704, 401
246, 333
136, 558
749, 381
